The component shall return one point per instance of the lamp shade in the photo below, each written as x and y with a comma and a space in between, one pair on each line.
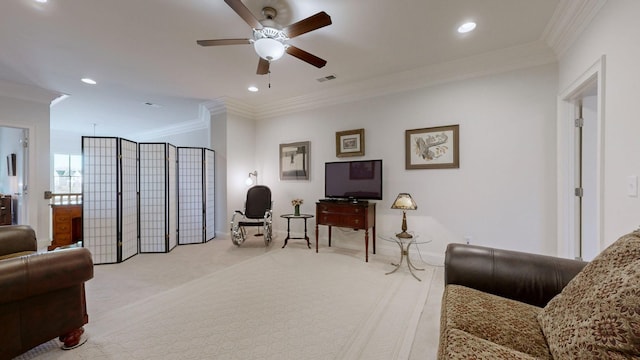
404, 202
269, 49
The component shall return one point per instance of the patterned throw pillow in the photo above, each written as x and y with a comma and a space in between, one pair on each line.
597, 315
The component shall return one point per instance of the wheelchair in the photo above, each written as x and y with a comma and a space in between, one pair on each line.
257, 213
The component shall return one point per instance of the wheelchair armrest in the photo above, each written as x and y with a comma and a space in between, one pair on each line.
236, 213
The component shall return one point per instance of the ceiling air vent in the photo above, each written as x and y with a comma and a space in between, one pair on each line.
326, 78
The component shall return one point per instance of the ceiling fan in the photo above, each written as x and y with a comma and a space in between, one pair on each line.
270, 41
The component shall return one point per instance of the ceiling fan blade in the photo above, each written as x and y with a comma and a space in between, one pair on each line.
263, 67
223, 42
305, 56
244, 13
311, 23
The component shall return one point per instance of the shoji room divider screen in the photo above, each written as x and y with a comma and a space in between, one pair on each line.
158, 197
109, 198
146, 197
195, 193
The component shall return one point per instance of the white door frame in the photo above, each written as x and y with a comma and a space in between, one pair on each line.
567, 237
28, 212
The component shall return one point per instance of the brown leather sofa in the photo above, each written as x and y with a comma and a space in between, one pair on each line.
530, 278
500, 304
41, 294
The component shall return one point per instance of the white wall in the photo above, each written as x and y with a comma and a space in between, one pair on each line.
242, 140
502, 195
15, 111
64, 142
613, 33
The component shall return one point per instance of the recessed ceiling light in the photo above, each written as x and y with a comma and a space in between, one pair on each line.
252, 88
88, 81
466, 27
41, 1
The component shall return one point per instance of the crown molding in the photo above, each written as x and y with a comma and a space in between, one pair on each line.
180, 128
206, 110
27, 92
568, 22
229, 105
240, 108
518, 57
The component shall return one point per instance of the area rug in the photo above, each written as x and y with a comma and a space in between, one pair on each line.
286, 304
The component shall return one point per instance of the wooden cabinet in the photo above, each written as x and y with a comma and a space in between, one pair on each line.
67, 225
354, 215
5, 210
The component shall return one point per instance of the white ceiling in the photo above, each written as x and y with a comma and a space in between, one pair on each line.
145, 51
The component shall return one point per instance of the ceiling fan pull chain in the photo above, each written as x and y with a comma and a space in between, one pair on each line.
269, 73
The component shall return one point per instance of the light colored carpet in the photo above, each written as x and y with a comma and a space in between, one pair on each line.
280, 303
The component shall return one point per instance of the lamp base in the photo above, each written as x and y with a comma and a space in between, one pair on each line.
404, 235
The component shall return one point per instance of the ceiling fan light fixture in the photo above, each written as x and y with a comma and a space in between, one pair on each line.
269, 49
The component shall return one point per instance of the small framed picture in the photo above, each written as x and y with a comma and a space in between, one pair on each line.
294, 161
350, 143
432, 148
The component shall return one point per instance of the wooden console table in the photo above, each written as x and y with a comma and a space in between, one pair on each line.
67, 225
347, 214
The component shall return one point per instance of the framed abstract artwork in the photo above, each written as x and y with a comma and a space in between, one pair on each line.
294, 160
350, 143
433, 148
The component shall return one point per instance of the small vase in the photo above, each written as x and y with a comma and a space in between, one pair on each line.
296, 210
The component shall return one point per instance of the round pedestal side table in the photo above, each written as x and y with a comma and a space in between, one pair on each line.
290, 217
405, 246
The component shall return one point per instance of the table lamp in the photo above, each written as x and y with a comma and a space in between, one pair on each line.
404, 202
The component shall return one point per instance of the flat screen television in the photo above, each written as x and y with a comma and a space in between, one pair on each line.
353, 180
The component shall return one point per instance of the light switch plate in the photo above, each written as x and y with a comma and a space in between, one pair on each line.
632, 186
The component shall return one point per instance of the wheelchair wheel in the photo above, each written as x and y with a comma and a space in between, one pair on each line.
237, 234
267, 233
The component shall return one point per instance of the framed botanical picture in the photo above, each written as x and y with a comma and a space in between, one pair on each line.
294, 161
432, 148
350, 143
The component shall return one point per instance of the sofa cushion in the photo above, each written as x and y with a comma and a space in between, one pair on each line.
464, 346
597, 315
503, 321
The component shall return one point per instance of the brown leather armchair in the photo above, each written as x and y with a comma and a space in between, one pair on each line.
41, 294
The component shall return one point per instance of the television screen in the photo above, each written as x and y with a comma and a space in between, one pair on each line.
358, 180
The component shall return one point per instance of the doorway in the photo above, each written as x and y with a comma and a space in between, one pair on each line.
580, 174
14, 146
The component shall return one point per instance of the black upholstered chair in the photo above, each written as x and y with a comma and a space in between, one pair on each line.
257, 213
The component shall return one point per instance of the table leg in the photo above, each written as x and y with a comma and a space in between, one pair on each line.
305, 233
409, 259
288, 232
399, 262
366, 245
329, 235
374, 239
410, 264
316, 237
